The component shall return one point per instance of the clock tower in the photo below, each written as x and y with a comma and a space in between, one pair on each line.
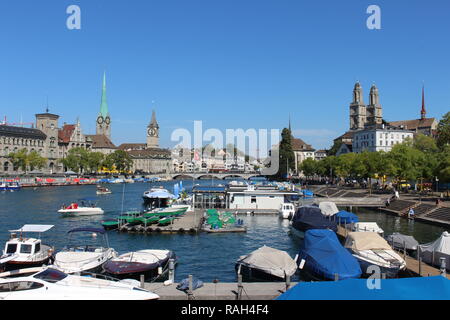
153, 133
103, 124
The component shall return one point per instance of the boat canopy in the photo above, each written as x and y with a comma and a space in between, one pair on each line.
324, 254
34, 228
87, 229
346, 217
160, 194
366, 241
441, 245
400, 241
272, 261
311, 217
368, 227
418, 288
328, 208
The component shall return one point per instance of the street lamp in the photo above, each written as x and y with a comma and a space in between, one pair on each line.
437, 184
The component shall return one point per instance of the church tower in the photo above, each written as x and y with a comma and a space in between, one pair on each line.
153, 132
103, 125
374, 110
357, 109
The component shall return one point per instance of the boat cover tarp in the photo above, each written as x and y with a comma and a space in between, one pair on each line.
366, 241
311, 217
326, 257
345, 217
401, 240
432, 252
271, 261
184, 284
328, 208
160, 195
367, 226
418, 288
33, 228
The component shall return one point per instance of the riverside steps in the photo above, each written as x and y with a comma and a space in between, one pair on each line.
222, 291
413, 265
190, 222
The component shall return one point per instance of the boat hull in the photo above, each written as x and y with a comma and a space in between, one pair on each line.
255, 275
81, 212
389, 272
17, 265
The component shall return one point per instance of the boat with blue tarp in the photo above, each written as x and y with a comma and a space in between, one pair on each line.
325, 258
310, 217
345, 217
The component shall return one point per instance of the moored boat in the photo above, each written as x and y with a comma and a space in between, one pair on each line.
22, 252
153, 264
310, 217
401, 242
432, 252
287, 211
157, 197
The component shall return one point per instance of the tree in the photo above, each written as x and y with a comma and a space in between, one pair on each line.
443, 131
308, 167
94, 161
121, 160
286, 155
24, 160
35, 161
425, 143
77, 159
334, 149
442, 169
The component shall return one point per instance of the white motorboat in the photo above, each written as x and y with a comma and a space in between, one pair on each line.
287, 211
103, 190
367, 227
157, 197
49, 283
89, 257
22, 252
372, 250
87, 208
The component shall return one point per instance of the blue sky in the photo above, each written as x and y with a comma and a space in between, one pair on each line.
233, 64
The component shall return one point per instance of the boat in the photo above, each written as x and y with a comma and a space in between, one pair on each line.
10, 186
157, 197
367, 227
153, 264
372, 250
130, 217
76, 258
110, 224
287, 211
103, 190
50, 283
345, 217
74, 209
322, 257
22, 252
432, 252
310, 217
328, 208
266, 264
401, 242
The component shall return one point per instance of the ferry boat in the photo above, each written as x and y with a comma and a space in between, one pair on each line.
22, 252
76, 258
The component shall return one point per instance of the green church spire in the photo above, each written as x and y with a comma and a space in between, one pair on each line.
104, 105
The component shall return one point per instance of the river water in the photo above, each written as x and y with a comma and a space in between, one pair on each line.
206, 256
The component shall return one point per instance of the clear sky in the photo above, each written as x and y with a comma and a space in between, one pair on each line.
231, 63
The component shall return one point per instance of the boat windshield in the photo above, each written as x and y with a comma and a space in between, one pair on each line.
11, 248
51, 275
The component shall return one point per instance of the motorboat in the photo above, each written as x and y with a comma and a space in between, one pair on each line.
401, 242
328, 208
432, 252
103, 190
322, 257
344, 217
50, 283
287, 211
372, 250
310, 217
153, 264
89, 257
266, 264
23, 252
157, 197
367, 227
86, 208
10, 186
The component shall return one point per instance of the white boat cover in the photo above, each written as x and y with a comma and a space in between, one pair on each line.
33, 228
366, 241
328, 208
144, 256
271, 261
367, 227
441, 245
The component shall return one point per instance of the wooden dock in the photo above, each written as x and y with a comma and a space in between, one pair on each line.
368, 202
190, 222
413, 265
222, 291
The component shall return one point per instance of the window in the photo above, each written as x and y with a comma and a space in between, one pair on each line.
37, 248
253, 199
11, 248
51, 275
25, 248
20, 286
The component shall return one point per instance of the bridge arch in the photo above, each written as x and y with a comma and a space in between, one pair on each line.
182, 177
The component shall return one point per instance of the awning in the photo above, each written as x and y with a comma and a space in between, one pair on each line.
34, 228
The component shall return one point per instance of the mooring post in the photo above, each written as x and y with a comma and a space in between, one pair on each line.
142, 281
443, 267
172, 270
432, 258
190, 295
420, 266
240, 287
288, 282
404, 250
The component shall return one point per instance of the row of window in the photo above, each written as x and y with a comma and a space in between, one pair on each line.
23, 142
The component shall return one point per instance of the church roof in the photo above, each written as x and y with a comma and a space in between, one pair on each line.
150, 153
300, 145
132, 146
414, 124
100, 141
154, 123
104, 105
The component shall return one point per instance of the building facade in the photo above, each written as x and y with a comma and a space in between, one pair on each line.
379, 139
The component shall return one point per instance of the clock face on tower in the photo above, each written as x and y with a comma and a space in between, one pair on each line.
152, 132
100, 120
108, 120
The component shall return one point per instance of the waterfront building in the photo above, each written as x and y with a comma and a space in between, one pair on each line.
379, 138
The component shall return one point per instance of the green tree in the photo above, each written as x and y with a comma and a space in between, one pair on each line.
19, 159
443, 131
286, 154
120, 160
77, 159
334, 149
94, 161
35, 161
308, 167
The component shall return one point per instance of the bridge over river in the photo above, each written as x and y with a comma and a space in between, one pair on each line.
206, 176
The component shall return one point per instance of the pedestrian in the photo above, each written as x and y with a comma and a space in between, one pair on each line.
411, 213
